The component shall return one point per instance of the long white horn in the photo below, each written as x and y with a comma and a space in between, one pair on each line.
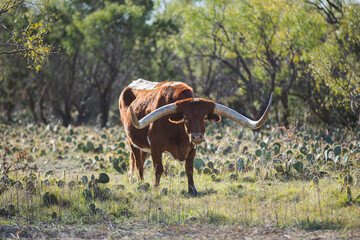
241, 119
153, 116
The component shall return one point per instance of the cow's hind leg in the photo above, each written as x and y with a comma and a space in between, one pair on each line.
189, 168
137, 158
156, 155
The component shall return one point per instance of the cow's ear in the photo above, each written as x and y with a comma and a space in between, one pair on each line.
176, 118
213, 118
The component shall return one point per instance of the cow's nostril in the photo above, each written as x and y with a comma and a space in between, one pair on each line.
197, 138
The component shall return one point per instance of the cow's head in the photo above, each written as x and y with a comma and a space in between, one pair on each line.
193, 113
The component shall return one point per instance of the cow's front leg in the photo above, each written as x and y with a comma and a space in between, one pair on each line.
189, 168
158, 166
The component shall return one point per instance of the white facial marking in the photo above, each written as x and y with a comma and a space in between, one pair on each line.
196, 100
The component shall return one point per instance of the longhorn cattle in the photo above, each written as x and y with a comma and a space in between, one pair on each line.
172, 121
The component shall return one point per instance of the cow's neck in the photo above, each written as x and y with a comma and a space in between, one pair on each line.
187, 146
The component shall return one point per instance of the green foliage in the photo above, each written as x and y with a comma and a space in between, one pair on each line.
87, 194
50, 199
206, 170
19, 160
236, 52
247, 42
334, 65
198, 164
298, 166
28, 26
84, 180
103, 178
240, 164
145, 187
164, 191
93, 27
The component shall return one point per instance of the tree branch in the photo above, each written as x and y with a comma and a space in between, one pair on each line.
6, 7
15, 51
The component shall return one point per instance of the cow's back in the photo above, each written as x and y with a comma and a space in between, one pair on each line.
146, 96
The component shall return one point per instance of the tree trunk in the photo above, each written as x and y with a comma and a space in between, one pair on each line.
42, 115
67, 119
286, 114
31, 104
277, 115
9, 107
104, 110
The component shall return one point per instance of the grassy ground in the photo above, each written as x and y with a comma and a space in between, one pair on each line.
299, 178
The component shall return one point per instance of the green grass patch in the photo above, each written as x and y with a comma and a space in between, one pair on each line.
260, 179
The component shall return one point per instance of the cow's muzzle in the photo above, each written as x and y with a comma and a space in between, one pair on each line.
197, 138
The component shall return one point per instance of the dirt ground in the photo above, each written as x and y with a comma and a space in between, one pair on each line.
145, 231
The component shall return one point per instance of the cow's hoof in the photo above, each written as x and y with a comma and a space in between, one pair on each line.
192, 191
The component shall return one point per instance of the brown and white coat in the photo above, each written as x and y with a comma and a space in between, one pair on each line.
172, 121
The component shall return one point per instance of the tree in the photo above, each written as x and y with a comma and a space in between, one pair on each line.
110, 42
335, 64
247, 49
103, 42
25, 26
